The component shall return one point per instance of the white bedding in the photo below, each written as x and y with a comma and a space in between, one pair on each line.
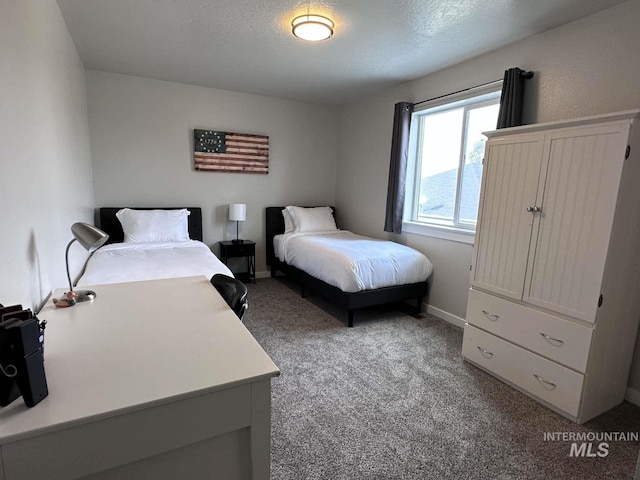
131, 262
352, 262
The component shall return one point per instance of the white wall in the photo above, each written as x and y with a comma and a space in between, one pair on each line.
587, 67
142, 150
45, 163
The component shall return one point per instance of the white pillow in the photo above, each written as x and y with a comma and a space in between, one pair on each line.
289, 227
315, 219
154, 225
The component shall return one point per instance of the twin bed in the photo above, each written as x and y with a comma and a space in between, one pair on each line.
352, 271
118, 262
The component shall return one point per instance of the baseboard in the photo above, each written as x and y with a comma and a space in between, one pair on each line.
446, 316
632, 396
264, 274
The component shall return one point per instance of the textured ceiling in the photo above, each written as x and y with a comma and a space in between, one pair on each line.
247, 45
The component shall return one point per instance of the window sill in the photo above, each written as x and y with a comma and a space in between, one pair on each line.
436, 231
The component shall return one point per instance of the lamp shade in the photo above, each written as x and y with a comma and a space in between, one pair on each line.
90, 237
237, 212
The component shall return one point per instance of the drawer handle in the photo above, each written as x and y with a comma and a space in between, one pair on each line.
491, 316
556, 342
484, 353
544, 383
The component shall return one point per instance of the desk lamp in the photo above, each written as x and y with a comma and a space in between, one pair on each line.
237, 213
91, 238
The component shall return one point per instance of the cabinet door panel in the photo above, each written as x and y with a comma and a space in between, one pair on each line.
510, 183
571, 238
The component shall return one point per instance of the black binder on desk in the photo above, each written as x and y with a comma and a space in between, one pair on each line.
8, 386
21, 357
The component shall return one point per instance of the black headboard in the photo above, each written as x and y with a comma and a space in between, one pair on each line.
110, 224
274, 224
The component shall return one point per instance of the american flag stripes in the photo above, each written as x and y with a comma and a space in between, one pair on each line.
230, 152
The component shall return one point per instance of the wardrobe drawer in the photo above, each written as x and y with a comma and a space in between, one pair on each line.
543, 378
560, 340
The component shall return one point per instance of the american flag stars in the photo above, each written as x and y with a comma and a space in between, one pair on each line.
211, 142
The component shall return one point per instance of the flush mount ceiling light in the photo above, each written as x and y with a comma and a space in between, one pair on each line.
312, 27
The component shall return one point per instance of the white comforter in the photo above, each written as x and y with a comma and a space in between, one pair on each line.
352, 262
131, 262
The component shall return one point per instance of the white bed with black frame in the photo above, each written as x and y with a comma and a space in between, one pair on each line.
160, 243
351, 270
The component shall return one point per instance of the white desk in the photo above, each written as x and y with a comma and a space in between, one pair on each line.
155, 379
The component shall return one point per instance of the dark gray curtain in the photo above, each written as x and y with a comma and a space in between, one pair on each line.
512, 98
398, 167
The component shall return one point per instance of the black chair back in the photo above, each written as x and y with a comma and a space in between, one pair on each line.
233, 291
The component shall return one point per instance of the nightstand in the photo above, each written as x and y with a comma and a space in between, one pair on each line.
247, 248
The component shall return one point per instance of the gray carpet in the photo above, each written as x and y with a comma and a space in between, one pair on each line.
392, 398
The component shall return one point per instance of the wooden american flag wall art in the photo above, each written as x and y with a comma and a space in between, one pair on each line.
230, 152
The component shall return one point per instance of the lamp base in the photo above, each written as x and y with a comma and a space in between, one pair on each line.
237, 241
85, 295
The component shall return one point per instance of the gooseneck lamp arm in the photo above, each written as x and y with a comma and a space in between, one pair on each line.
66, 260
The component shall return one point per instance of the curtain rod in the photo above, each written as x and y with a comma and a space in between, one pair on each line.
459, 91
526, 75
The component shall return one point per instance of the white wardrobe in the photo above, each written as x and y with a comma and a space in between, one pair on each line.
554, 303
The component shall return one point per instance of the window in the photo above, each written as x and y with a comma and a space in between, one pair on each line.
445, 169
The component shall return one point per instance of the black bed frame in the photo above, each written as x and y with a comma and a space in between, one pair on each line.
110, 224
350, 301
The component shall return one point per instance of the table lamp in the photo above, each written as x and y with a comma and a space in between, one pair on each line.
91, 238
237, 213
